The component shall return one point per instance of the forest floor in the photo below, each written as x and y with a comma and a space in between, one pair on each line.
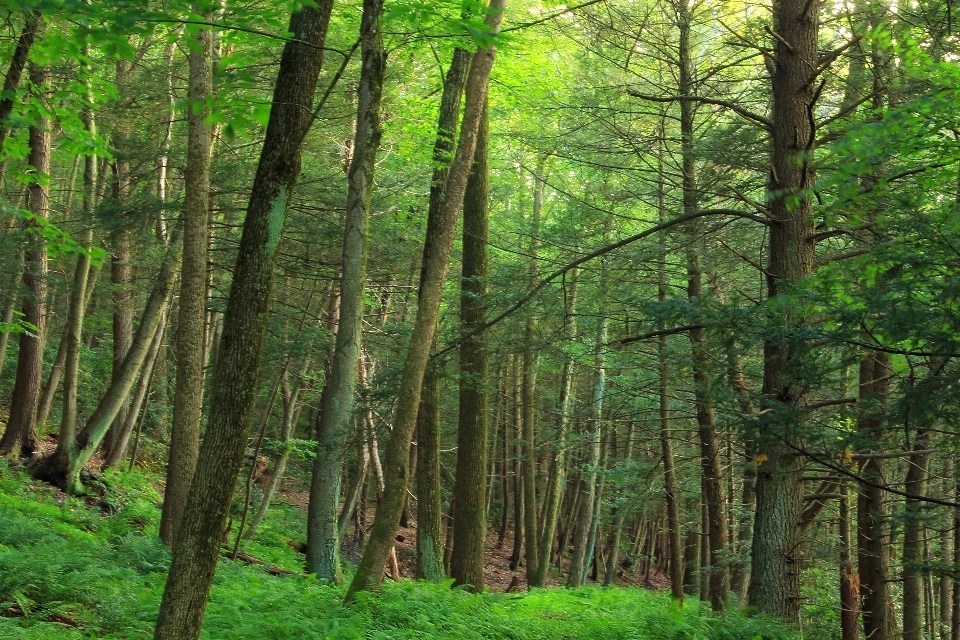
93, 567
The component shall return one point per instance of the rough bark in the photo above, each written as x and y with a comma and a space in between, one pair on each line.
323, 546
466, 563
192, 304
849, 603
429, 516
233, 387
20, 438
369, 571
775, 581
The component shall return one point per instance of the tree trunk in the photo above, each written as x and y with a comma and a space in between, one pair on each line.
466, 564
616, 527
32, 29
558, 461
913, 539
323, 545
518, 507
191, 314
63, 467
233, 387
775, 581
20, 438
849, 603
369, 571
429, 516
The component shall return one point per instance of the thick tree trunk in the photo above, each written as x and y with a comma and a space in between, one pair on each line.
558, 461
20, 438
233, 388
323, 544
369, 571
775, 581
191, 314
466, 564
429, 516
849, 603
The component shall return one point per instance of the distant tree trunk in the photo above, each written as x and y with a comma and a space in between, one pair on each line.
369, 571
233, 387
32, 29
20, 438
616, 527
913, 538
528, 464
775, 581
323, 544
191, 314
504, 467
518, 533
740, 578
947, 584
558, 462
63, 467
429, 516
879, 618
589, 486
466, 564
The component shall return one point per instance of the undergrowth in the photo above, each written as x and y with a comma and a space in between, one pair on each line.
72, 569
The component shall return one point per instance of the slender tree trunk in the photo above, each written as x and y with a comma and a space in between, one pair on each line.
504, 457
589, 485
369, 571
913, 539
466, 563
616, 528
20, 438
429, 516
518, 507
323, 545
233, 387
191, 314
558, 462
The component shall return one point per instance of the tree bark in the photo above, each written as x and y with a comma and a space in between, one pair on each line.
913, 538
20, 438
466, 564
369, 571
323, 545
32, 29
429, 516
233, 387
775, 581
191, 314
558, 462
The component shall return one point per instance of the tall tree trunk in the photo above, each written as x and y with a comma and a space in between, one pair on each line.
579, 562
429, 516
616, 527
323, 545
879, 618
558, 461
32, 29
466, 563
191, 314
20, 438
233, 388
369, 571
528, 464
518, 511
913, 538
775, 581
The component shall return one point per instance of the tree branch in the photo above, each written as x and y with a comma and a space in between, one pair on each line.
746, 113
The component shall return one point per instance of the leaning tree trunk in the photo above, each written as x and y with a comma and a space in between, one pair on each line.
775, 581
191, 314
234, 385
369, 571
20, 438
63, 467
429, 516
469, 489
323, 544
